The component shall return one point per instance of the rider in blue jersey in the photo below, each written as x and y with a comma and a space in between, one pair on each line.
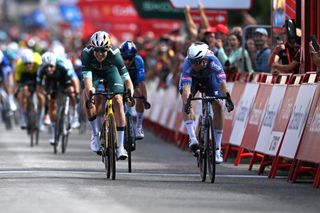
203, 72
135, 66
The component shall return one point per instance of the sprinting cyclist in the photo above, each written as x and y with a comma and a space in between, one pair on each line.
25, 76
100, 61
135, 66
203, 72
53, 75
6, 75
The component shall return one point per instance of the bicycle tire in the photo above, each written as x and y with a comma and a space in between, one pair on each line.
130, 140
111, 134
211, 153
31, 116
58, 129
202, 159
65, 130
105, 155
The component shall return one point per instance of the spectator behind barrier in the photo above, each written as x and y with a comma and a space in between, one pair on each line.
285, 57
315, 56
263, 53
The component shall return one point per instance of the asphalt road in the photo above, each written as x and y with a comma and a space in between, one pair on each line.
164, 179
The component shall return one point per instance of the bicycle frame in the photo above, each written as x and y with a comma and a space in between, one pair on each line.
109, 113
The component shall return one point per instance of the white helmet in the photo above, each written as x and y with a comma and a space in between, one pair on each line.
197, 51
27, 56
49, 58
1, 56
100, 39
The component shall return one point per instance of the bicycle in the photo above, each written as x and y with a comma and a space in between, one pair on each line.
6, 113
207, 148
63, 124
32, 118
130, 134
108, 133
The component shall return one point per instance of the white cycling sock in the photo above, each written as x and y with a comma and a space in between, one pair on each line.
139, 119
218, 137
100, 120
189, 124
94, 126
120, 137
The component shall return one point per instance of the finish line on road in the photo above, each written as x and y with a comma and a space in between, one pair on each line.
61, 172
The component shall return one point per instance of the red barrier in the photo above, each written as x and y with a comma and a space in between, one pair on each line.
290, 142
280, 126
254, 124
236, 94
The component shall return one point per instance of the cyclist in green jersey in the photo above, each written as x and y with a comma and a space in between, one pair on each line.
100, 61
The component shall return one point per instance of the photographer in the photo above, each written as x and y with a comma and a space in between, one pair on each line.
315, 55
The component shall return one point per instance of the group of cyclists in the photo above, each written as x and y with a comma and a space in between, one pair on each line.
123, 69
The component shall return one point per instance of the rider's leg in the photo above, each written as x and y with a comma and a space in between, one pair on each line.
218, 123
91, 111
23, 97
9, 86
73, 103
41, 105
140, 110
121, 123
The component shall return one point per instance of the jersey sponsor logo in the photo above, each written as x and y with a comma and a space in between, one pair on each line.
222, 75
186, 78
215, 66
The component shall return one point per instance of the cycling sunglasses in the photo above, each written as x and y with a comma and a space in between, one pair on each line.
195, 62
50, 66
126, 58
100, 49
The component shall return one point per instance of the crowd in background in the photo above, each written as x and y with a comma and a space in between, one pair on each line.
239, 49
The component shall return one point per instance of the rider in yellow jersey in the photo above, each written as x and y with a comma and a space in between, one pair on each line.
25, 76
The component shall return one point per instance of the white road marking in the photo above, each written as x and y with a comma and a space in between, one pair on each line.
60, 172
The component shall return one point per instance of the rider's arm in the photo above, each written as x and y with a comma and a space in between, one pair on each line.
86, 70
18, 71
141, 75
185, 81
118, 62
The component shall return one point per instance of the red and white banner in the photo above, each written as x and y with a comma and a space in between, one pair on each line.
236, 93
297, 121
242, 113
255, 118
309, 149
282, 120
269, 117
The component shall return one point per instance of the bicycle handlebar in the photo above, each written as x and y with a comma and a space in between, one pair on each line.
110, 95
146, 104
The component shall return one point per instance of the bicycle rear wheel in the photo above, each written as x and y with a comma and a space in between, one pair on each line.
111, 135
211, 153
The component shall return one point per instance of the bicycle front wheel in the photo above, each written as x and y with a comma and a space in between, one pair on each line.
211, 153
111, 146
65, 131
130, 140
202, 159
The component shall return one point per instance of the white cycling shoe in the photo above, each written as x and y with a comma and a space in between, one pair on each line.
95, 144
52, 141
139, 134
193, 144
121, 153
219, 157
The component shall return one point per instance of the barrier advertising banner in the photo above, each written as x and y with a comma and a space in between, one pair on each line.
309, 149
269, 117
297, 120
236, 93
282, 120
242, 113
255, 118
